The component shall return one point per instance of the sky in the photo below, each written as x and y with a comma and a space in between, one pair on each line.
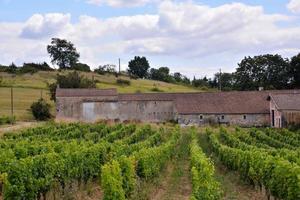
194, 37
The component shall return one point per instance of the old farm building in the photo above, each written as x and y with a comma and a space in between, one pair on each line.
249, 108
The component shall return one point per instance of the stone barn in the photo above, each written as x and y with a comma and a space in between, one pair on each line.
284, 109
247, 108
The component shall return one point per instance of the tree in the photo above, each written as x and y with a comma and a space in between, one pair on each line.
108, 68
161, 74
12, 68
63, 53
201, 82
81, 67
70, 80
227, 81
295, 71
138, 67
268, 71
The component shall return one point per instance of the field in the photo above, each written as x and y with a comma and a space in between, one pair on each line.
28, 87
101, 161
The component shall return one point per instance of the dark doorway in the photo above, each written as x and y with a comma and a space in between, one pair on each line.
273, 118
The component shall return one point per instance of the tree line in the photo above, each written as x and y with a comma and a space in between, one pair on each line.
267, 71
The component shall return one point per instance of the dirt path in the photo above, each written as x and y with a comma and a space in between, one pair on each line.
18, 126
176, 184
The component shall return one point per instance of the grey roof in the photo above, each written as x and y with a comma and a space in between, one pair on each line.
64, 92
287, 101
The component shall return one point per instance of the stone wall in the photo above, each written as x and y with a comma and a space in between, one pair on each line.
245, 120
91, 110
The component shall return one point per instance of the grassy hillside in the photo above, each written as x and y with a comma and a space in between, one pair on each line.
28, 87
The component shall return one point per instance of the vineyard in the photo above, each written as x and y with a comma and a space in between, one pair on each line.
122, 159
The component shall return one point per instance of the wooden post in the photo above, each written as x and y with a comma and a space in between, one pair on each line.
12, 103
119, 66
220, 79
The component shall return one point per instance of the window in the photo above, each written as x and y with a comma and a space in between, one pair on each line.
223, 117
201, 117
245, 117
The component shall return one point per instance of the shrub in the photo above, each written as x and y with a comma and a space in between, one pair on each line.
156, 89
41, 110
7, 120
123, 82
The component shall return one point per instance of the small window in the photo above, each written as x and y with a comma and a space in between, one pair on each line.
223, 117
201, 117
245, 117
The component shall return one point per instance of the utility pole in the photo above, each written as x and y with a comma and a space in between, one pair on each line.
119, 66
220, 80
12, 102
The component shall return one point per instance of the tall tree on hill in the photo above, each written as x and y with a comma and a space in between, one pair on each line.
63, 53
295, 71
139, 67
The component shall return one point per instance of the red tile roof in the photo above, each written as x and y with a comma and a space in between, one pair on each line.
62, 92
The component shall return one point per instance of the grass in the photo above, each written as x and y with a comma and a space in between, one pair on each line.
27, 88
23, 98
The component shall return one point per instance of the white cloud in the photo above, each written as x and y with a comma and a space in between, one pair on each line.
189, 32
39, 26
121, 3
294, 6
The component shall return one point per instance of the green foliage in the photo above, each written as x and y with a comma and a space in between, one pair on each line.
36, 158
128, 174
123, 82
41, 110
259, 167
150, 161
63, 53
7, 120
70, 80
81, 67
268, 71
295, 71
110, 69
205, 187
112, 181
156, 89
139, 67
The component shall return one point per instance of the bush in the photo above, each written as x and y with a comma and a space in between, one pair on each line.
156, 89
81, 67
41, 110
7, 120
123, 82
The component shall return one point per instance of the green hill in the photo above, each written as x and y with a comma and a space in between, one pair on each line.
30, 87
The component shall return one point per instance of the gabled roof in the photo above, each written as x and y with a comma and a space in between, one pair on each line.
224, 103
286, 101
209, 102
62, 92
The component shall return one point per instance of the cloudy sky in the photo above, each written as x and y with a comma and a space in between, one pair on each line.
193, 37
